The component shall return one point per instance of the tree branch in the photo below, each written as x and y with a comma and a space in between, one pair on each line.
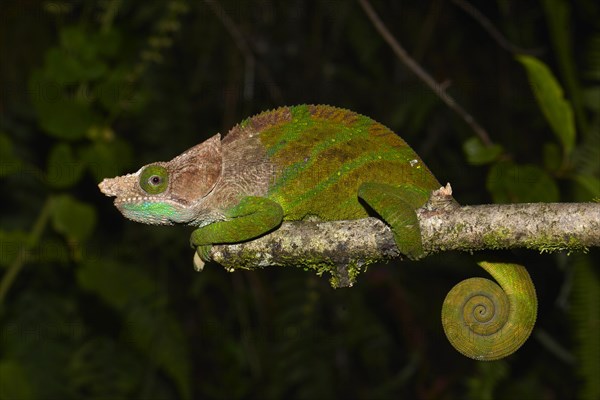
345, 248
487, 25
423, 75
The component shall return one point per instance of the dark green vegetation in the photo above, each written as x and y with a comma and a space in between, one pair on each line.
95, 306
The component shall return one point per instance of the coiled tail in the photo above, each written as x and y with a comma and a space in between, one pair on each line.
487, 322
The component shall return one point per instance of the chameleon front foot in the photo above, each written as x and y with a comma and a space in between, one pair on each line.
198, 263
201, 256
487, 322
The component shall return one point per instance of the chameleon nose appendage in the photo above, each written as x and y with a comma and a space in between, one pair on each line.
107, 187
121, 186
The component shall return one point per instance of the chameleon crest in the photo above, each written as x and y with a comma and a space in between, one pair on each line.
312, 161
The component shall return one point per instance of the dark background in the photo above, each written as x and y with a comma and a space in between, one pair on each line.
93, 306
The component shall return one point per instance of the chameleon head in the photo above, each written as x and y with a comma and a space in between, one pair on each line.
164, 193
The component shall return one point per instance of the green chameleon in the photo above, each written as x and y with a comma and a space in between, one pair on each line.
320, 162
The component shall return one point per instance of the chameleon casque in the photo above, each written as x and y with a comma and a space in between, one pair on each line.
317, 161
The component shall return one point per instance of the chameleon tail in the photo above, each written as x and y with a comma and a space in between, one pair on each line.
485, 321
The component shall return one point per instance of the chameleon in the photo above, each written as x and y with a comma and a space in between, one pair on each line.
321, 162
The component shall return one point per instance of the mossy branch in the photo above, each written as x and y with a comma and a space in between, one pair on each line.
345, 248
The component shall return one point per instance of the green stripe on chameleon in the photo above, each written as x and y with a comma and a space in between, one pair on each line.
393, 172
325, 155
307, 134
486, 322
279, 137
151, 208
343, 184
326, 158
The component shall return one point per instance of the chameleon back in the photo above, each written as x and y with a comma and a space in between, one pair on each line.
322, 154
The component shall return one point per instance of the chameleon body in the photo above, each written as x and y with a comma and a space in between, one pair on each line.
291, 163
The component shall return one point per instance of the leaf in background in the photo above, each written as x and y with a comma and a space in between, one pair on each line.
49, 250
105, 369
115, 91
511, 183
552, 156
485, 382
65, 68
592, 58
558, 15
75, 40
9, 163
591, 98
60, 116
478, 154
107, 42
14, 383
63, 168
159, 336
40, 332
584, 314
107, 159
117, 284
590, 183
550, 98
150, 329
73, 218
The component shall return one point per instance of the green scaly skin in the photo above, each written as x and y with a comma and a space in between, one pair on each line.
295, 163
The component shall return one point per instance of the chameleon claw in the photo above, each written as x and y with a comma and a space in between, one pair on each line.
198, 263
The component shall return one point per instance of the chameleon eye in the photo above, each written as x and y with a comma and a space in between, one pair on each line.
154, 179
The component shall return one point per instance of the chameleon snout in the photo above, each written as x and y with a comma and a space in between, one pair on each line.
107, 187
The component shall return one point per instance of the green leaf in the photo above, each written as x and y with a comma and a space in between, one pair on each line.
9, 163
72, 218
63, 168
549, 95
552, 156
117, 284
65, 68
41, 331
478, 154
105, 369
14, 383
49, 250
75, 40
152, 331
107, 158
60, 116
584, 313
107, 42
591, 98
159, 336
510, 183
115, 90
590, 183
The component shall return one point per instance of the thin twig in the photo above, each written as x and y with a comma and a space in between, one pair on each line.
245, 49
491, 29
422, 74
32, 240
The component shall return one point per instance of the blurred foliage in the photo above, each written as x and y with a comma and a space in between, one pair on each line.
93, 306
